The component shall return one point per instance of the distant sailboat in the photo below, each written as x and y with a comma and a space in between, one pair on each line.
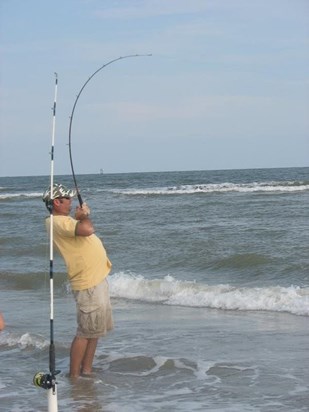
101, 171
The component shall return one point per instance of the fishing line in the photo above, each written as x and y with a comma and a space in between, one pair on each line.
72, 114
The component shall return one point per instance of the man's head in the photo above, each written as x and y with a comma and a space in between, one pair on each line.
59, 192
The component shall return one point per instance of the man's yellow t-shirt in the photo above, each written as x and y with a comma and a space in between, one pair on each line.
85, 256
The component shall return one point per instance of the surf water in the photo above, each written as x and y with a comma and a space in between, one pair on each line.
210, 292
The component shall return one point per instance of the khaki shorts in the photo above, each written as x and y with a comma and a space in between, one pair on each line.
94, 311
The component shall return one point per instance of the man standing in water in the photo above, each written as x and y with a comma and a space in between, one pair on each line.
87, 267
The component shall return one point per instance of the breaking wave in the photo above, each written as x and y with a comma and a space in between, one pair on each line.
255, 187
169, 291
8, 196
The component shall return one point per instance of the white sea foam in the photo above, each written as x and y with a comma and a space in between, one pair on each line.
23, 341
170, 291
144, 365
5, 196
274, 187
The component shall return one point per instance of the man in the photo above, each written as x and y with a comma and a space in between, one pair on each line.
87, 267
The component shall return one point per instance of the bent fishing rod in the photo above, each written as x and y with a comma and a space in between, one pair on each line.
73, 110
41, 379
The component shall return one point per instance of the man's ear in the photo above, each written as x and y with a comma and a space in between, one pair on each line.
56, 202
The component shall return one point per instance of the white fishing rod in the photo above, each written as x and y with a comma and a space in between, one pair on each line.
41, 379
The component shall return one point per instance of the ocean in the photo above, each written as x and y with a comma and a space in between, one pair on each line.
209, 287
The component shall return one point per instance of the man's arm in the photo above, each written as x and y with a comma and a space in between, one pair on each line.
84, 226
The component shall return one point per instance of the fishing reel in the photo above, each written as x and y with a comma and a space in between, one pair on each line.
45, 380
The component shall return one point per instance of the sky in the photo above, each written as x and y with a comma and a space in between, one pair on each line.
226, 85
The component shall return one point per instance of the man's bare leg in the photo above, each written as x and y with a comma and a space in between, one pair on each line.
81, 356
88, 356
78, 350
